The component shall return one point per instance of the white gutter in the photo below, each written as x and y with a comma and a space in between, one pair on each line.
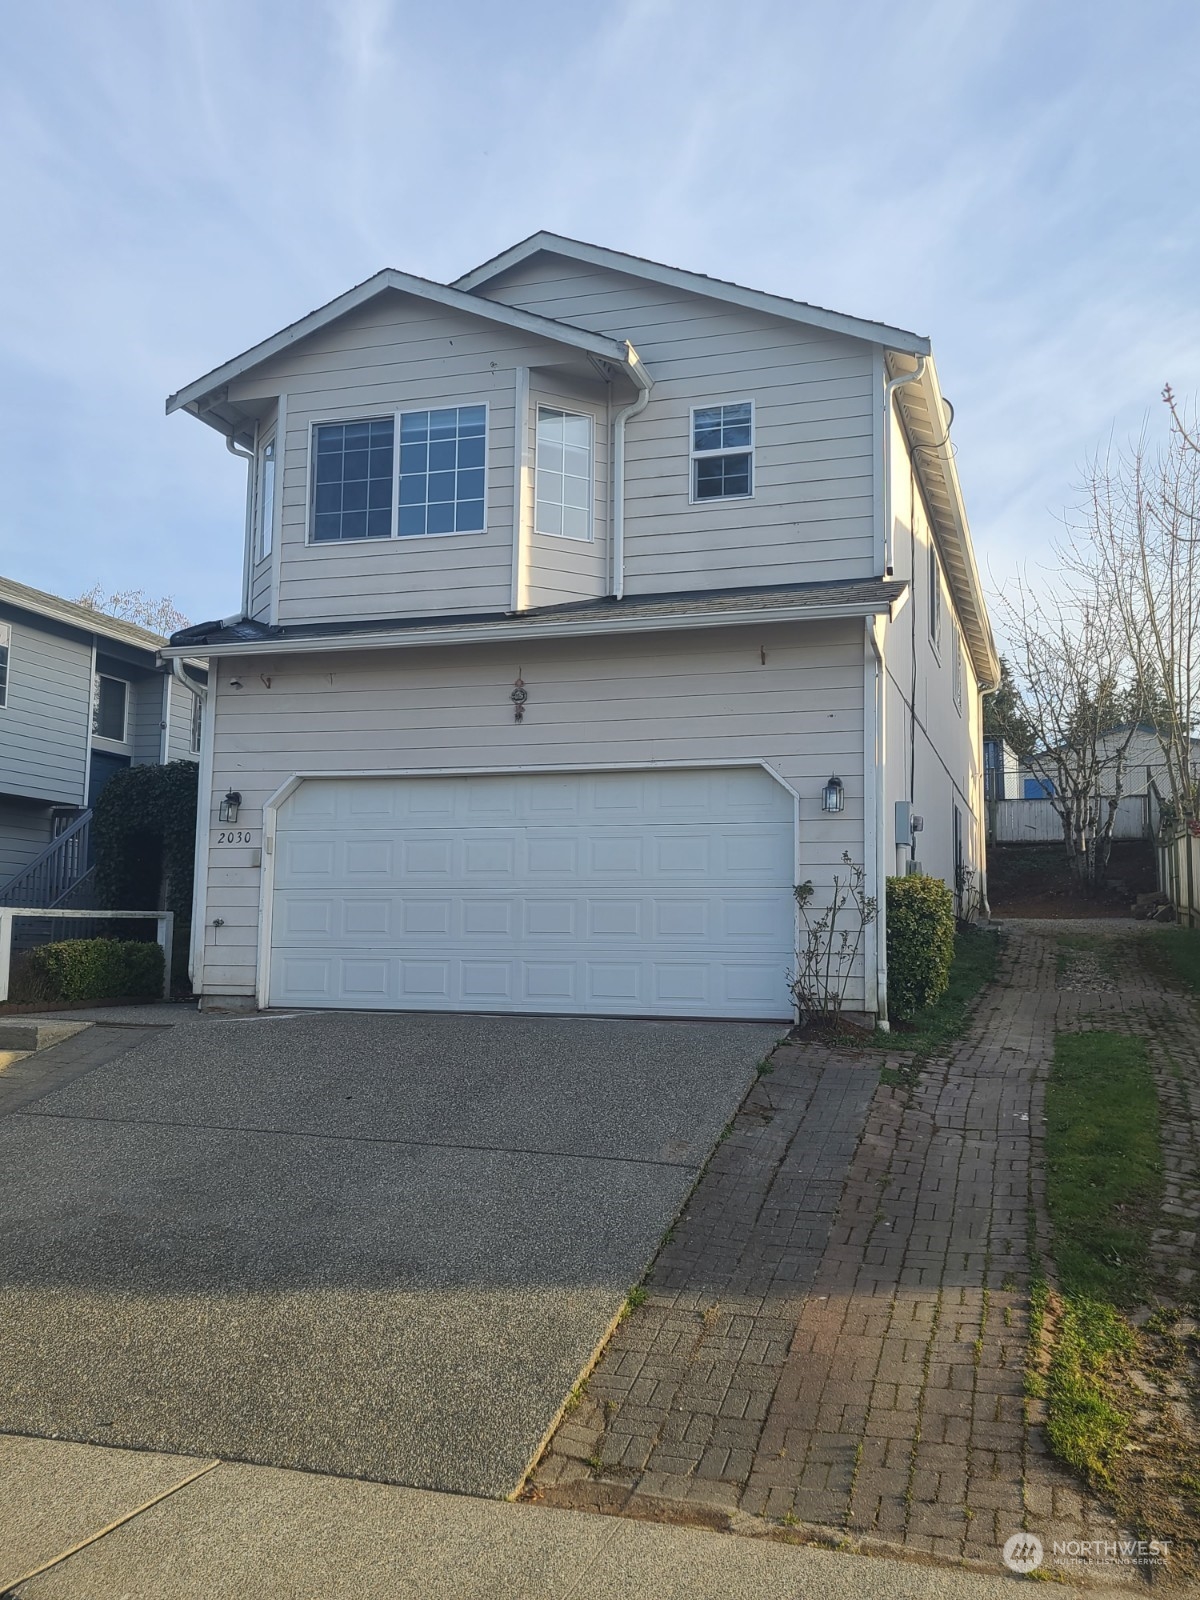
645, 383
889, 390
511, 632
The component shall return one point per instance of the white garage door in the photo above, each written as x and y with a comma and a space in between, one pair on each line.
626, 893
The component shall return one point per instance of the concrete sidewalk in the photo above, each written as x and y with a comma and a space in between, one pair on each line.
158, 1527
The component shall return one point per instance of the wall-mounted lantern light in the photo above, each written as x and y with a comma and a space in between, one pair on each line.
227, 811
833, 795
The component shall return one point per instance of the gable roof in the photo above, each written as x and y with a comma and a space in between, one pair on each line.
52, 606
774, 305
192, 398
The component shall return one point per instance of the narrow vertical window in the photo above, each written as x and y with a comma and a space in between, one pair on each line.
5, 651
957, 668
266, 499
723, 451
197, 720
564, 473
935, 596
109, 709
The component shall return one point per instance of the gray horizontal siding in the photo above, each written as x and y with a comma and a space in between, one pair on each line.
696, 697
24, 834
812, 515
44, 725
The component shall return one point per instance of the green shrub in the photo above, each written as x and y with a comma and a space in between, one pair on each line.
920, 943
89, 969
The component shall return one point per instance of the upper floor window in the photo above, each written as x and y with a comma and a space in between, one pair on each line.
421, 472
109, 708
723, 451
266, 499
354, 470
564, 473
442, 455
197, 722
935, 596
5, 650
957, 668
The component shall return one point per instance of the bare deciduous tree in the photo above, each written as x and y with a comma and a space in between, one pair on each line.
1075, 706
1140, 535
135, 605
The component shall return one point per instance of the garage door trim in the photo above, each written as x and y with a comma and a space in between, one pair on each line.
273, 804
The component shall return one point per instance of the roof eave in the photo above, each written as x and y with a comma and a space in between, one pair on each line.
192, 396
517, 631
901, 339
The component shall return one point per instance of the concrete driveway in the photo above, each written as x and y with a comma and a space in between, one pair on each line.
378, 1246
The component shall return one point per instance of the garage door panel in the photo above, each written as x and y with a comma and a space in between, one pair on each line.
647, 893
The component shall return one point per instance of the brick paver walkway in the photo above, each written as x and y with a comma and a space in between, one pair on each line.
38, 1074
835, 1334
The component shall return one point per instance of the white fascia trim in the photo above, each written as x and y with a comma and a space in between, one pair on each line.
517, 632
189, 397
696, 283
273, 802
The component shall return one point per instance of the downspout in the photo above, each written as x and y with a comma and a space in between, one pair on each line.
248, 456
203, 810
645, 383
889, 389
881, 872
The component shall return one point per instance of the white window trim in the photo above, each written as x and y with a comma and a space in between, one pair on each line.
393, 538
956, 667
106, 738
6, 646
589, 536
264, 528
695, 455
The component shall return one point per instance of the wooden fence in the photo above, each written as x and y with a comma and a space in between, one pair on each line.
1179, 875
1037, 822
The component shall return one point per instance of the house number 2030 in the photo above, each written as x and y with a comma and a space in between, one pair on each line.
235, 836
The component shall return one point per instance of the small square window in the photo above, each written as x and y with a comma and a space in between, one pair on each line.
109, 708
723, 451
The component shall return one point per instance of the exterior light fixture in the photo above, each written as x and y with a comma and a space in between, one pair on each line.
833, 795
227, 811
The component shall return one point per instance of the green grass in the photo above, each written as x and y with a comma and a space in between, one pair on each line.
1103, 1164
1084, 1427
975, 957
1173, 954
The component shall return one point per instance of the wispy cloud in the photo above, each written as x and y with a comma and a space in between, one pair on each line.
178, 181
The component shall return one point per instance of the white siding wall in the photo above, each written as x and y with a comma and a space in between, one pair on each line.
44, 725
706, 696
811, 517
944, 741
394, 353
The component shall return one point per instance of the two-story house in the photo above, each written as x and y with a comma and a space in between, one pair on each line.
588, 606
82, 695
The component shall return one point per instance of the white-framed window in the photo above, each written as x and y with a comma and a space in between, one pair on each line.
197, 722
935, 596
405, 476
110, 708
723, 451
266, 498
5, 657
564, 473
956, 666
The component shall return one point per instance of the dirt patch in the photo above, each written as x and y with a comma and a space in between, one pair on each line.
1036, 881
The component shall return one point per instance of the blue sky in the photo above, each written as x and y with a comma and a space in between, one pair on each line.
180, 179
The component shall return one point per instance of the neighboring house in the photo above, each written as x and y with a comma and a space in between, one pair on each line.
1001, 770
568, 589
81, 697
1143, 768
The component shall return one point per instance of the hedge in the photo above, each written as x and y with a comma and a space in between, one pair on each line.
920, 943
89, 969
